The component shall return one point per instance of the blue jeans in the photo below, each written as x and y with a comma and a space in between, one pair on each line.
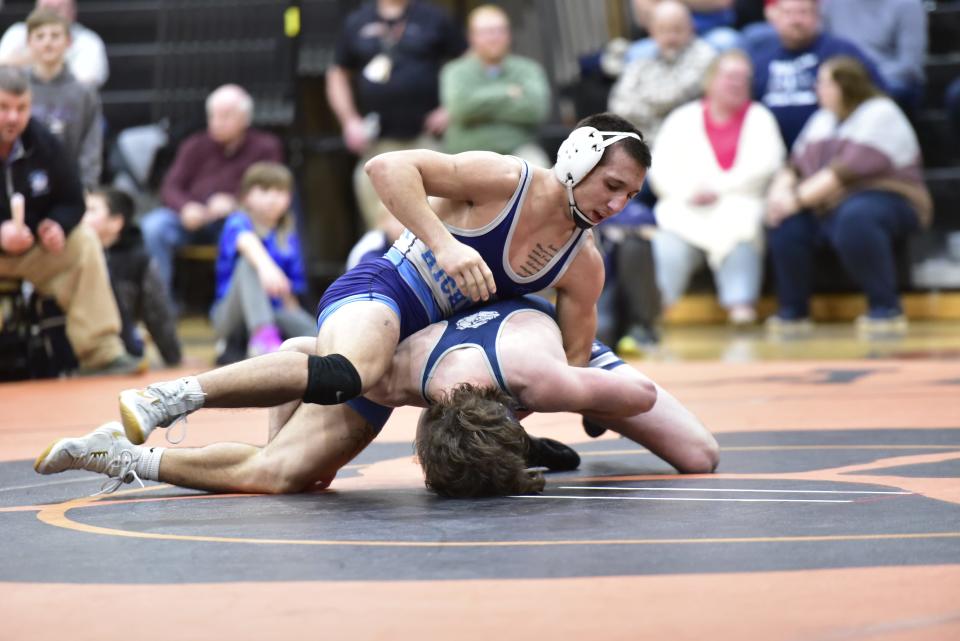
163, 234
862, 230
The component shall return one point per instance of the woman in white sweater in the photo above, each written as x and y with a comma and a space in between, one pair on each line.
714, 160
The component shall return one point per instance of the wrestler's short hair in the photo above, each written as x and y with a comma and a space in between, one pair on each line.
470, 444
639, 150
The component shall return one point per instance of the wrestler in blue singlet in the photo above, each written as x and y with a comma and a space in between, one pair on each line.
479, 329
408, 280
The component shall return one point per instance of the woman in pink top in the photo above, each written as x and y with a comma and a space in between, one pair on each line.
714, 160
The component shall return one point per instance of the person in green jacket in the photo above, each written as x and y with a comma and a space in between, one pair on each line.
496, 100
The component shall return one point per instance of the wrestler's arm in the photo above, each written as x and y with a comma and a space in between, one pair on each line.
669, 430
404, 179
577, 294
545, 383
558, 387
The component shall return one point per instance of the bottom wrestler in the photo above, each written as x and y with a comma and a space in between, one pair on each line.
479, 367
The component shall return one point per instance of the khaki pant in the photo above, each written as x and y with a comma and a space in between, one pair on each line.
367, 199
77, 278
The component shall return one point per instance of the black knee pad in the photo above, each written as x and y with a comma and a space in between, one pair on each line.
331, 380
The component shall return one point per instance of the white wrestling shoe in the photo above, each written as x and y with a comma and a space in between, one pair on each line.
159, 405
105, 450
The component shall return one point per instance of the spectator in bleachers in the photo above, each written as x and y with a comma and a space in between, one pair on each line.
785, 67
392, 50
496, 100
86, 54
133, 274
647, 90
713, 21
41, 240
199, 190
259, 265
893, 33
650, 88
629, 306
69, 108
855, 183
715, 159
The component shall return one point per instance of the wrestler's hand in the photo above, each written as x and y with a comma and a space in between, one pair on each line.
466, 267
15, 239
51, 235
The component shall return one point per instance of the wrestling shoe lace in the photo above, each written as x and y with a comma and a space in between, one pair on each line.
125, 465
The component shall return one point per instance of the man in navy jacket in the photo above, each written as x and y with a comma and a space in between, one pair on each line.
41, 241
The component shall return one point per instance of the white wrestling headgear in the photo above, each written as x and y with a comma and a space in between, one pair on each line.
578, 155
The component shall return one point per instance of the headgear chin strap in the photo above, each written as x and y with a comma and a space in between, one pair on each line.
579, 218
578, 155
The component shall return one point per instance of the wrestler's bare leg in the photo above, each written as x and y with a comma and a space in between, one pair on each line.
366, 333
307, 444
670, 431
316, 442
280, 414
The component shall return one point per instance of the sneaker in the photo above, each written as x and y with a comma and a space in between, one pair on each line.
105, 450
779, 327
159, 405
742, 315
265, 340
882, 324
638, 341
551, 454
120, 366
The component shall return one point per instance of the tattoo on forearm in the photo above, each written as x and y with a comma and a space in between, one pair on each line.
537, 259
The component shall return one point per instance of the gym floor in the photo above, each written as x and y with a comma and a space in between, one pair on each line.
834, 514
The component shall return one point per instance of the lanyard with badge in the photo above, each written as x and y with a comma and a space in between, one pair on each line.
380, 67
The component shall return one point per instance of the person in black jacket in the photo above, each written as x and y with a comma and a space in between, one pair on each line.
41, 241
140, 293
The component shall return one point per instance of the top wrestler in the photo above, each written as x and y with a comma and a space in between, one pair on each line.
494, 226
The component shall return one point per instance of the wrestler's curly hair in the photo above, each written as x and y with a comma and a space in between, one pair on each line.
470, 444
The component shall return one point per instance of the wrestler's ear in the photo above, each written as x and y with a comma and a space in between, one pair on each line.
534, 482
